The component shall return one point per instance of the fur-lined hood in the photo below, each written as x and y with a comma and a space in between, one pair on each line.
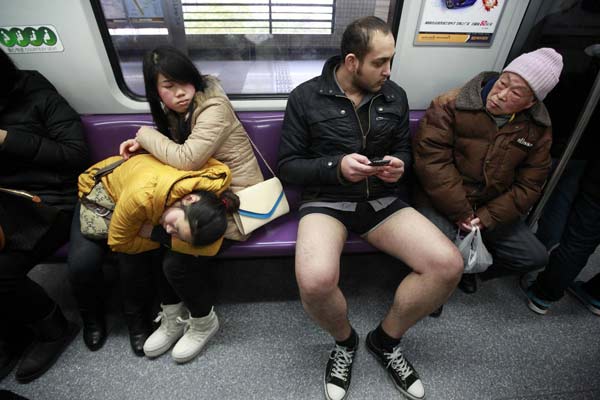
213, 92
469, 98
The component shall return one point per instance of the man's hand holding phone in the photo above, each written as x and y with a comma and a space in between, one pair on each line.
356, 167
391, 171
379, 162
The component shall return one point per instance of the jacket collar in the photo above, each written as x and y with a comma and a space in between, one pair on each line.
213, 89
469, 99
327, 85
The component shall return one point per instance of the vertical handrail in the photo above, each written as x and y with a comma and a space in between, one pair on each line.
173, 15
582, 122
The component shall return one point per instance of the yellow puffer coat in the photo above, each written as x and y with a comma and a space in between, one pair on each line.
142, 188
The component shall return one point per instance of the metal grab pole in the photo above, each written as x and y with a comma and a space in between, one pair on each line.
584, 118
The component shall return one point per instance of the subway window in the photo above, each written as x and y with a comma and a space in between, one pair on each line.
255, 47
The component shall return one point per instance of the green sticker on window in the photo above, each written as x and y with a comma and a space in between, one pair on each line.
7, 38
34, 38
22, 39
30, 39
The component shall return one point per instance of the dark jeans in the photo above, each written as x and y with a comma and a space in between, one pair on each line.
513, 246
556, 211
580, 238
85, 262
179, 277
23, 300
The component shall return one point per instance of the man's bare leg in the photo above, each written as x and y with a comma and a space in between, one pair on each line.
318, 249
435, 262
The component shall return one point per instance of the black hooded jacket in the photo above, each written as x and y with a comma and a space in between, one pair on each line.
45, 148
320, 127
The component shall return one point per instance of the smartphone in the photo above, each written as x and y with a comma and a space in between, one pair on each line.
378, 163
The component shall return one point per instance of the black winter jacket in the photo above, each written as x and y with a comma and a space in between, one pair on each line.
320, 127
590, 183
45, 149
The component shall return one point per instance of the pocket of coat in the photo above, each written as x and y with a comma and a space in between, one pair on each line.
327, 122
329, 114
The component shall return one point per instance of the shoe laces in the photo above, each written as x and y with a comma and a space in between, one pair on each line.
398, 362
165, 321
161, 315
184, 322
342, 359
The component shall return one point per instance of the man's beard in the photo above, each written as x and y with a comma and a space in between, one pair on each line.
357, 82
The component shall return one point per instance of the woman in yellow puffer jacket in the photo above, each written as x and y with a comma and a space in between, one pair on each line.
185, 211
143, 189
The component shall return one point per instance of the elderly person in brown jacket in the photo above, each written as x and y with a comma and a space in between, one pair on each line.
482, 155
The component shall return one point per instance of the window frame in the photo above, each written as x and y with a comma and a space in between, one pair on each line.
394, 15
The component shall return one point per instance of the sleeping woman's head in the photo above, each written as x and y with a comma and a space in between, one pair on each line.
200, 217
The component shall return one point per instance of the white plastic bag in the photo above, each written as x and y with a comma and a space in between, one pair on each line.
475, 255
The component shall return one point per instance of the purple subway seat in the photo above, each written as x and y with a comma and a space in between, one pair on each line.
105, 133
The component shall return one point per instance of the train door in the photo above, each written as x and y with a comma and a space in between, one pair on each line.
572, 27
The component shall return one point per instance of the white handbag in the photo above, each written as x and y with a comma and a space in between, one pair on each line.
260, 203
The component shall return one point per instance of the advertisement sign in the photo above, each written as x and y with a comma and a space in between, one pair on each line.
30, 39
458, 22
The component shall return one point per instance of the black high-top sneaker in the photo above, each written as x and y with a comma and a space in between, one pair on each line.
339, 372
401, 371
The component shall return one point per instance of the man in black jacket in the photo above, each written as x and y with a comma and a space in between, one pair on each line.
42, 151
338, 128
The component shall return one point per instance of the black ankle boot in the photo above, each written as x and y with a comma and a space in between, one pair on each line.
51, 336
139, 330
12, 348
94, 328
468, 283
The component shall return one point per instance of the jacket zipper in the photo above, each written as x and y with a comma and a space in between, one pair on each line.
362, 132
365, 135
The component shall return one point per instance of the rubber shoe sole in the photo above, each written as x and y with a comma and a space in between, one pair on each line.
159, 351
538, 310
382, 362
181, 359
524, 284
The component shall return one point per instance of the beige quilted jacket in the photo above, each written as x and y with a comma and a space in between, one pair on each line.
216, 132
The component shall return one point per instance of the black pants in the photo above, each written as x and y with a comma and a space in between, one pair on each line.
179, 277
85, 262
578, 242
23, 300
514, 247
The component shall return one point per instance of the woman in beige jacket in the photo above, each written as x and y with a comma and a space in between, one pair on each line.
195, 121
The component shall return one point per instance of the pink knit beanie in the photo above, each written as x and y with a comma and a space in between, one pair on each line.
540, 68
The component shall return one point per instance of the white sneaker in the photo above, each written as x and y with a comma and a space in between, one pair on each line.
198, 332
169, 330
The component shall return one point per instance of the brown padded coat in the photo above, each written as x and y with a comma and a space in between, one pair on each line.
216, 132
466, 165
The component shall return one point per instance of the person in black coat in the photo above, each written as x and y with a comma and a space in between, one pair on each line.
42, 151
579, 240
